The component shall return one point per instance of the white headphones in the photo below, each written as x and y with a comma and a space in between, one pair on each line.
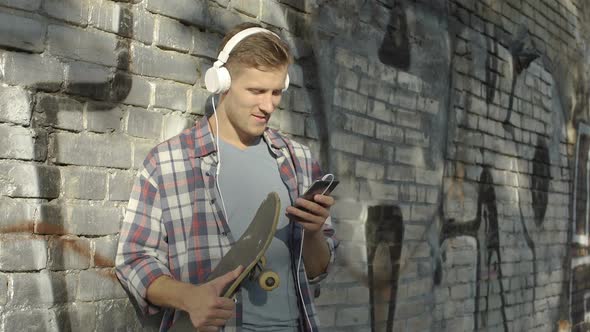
217, 78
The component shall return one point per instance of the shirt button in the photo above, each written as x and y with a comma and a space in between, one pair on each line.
207, 173
213, 201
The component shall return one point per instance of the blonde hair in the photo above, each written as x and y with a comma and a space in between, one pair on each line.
261, 50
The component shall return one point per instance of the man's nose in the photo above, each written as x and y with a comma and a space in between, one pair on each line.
267, 103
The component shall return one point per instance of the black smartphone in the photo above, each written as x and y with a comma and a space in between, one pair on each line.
319, 187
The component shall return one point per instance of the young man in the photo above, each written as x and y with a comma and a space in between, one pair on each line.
198, 192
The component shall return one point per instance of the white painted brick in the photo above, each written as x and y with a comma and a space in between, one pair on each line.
29, 5
75, 12
91, 220
28, 180
22, 252
389, 133
347, 143
58, 112
105, 249
410, 156
85, 45
248, 7
31, 320
409, 81
15, 105
81, 183
352, 316
68, 252
188, 11
327, 316
222, 20
22, 33
171, 34
274, 14
31, 70
120, 183
350, 100
171, 95
369, 170
145, 124
174, 124
151, 61
93, 150
43, 289
106, 285
292, 123
18, 143
103, 117
378, 190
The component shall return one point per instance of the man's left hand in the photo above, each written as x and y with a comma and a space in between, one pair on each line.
311, 214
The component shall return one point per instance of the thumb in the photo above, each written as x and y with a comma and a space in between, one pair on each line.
220, 282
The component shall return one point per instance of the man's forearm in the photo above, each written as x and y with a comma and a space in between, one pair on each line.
167, 292
316, 254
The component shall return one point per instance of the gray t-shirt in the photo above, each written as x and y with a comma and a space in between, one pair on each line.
245, 179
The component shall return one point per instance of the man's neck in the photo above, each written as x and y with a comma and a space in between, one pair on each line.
227, 135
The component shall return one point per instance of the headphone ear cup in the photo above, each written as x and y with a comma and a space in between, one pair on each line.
224, 79
217, 79
286, 83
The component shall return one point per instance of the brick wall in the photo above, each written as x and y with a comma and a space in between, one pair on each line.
456, 129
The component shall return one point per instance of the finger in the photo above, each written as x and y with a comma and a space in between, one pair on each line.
237, 271
304, 217
224, 303
208, 329
325, 200
215, 322
308, 221
313, 208
221, 313
220, 282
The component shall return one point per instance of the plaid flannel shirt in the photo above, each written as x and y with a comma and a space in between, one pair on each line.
174, 223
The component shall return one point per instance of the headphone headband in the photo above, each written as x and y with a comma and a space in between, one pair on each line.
217, 78
238, 37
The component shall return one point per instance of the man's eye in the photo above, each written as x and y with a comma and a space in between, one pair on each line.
277, 92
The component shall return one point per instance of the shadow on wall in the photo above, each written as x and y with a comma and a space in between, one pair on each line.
384, 234
51, 221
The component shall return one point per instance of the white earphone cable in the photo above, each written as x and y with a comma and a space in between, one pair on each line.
301, 254
217, 172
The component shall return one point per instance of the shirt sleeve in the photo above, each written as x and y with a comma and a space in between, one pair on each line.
142, 250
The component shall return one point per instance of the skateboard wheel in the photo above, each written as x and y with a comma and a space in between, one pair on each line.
268, 280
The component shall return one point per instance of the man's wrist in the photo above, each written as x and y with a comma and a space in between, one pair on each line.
314, 236
168, 292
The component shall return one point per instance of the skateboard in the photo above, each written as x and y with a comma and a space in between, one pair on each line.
248, 251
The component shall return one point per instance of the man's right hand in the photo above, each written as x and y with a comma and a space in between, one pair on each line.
207, 310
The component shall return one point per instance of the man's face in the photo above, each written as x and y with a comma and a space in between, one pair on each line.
248, 104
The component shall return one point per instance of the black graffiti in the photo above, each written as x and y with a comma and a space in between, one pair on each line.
523, 52
384, 228
395, 47
484, 229
540, 180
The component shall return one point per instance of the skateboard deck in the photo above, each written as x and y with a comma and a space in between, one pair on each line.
248, 251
